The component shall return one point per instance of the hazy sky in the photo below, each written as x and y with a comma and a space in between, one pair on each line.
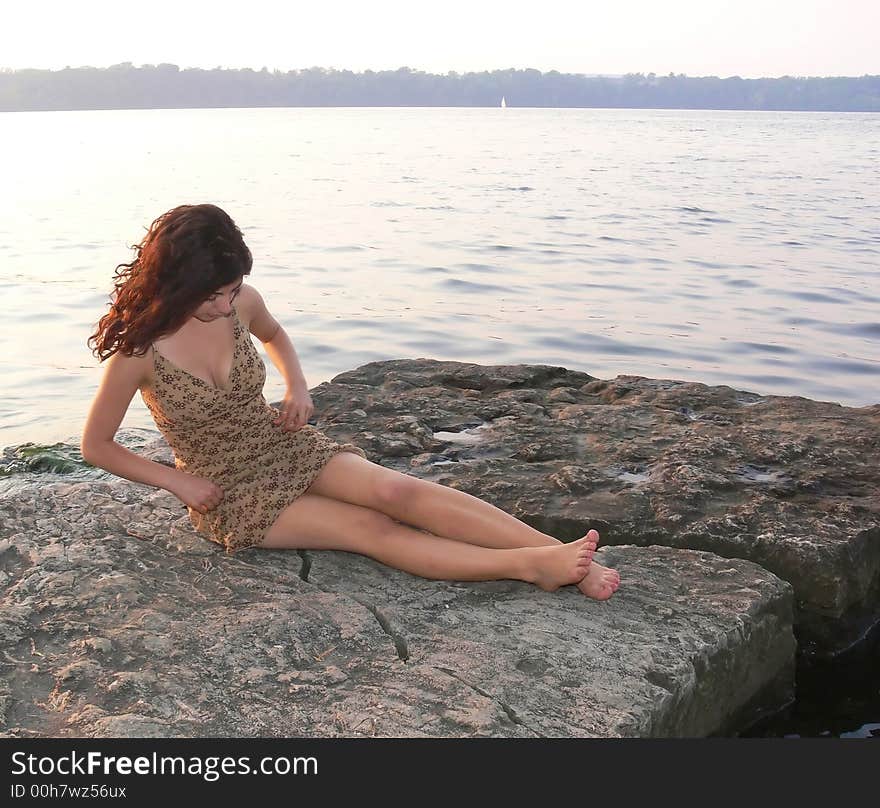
749, 38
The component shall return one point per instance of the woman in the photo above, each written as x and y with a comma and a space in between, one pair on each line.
253, 475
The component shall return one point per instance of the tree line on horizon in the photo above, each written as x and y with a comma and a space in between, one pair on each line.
166, 86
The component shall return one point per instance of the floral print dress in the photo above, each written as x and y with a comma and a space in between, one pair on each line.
227, 435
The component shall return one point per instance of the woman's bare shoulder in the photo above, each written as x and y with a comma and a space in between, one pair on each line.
246, 303
131, 370
253, 314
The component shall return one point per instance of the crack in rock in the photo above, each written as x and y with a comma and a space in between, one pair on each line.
508, 710
399, 641
306, 565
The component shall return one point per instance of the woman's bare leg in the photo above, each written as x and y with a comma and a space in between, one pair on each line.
436, 508
471, 519
316, 522
444, 512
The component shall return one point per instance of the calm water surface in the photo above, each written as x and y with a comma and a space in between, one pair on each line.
735, 248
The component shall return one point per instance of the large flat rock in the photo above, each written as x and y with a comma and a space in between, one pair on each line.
117, 620
789, 483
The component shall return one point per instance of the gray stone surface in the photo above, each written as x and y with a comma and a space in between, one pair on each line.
117, 620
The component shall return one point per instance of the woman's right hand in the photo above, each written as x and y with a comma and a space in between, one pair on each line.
196, 492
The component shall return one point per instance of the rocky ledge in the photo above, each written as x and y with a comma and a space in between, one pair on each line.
117, 619
788, 483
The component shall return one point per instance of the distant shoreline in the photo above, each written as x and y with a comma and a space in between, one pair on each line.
297, 106
166, 86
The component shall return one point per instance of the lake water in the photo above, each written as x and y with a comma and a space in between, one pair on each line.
735, 248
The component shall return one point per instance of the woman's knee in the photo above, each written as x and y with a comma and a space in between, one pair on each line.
350, 478
394, 492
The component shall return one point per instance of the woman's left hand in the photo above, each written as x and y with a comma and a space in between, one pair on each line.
296, 408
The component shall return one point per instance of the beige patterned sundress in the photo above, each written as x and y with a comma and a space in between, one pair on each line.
227, 435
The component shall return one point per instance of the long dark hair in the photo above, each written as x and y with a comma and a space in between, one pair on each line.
186, 255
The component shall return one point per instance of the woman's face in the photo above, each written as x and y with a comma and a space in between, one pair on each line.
219, 304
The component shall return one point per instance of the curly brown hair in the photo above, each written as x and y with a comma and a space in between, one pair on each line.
187, 254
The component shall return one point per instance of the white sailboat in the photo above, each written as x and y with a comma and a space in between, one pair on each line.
503, 102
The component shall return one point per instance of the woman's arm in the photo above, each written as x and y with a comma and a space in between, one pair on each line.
297, 406
268, 330
122, 377
283, 355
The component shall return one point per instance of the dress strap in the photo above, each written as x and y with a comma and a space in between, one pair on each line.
156, 357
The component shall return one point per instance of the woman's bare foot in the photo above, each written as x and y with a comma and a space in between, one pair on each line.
600, 583
559, 565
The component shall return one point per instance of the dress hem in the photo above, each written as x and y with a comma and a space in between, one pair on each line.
231, 547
